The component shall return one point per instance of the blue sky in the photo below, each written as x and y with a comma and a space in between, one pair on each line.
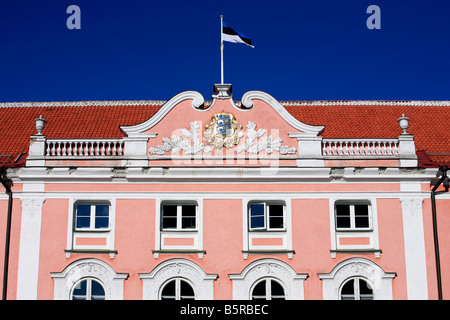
152, 50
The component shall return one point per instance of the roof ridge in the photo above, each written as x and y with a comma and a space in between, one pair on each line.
82, 103
443, 103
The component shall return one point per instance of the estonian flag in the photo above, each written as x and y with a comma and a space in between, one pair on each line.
231, 35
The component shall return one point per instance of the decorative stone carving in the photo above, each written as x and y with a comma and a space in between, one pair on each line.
268, 144
177, 143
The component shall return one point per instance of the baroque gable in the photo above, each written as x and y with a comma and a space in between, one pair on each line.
187, 126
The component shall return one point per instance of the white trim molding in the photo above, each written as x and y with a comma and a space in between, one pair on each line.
414, 241
271, 101
137, 130
291, 281
201, 282
380, 281
30, 239
112, 282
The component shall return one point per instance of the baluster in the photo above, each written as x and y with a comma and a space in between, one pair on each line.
102, 149
120, 148
114, 148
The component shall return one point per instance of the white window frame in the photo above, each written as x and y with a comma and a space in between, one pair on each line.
179, 205
268, 287
368, 233
93, 205
351, 204
107, 233
356, 287
177, 287
195, 234
88, 287
266, 205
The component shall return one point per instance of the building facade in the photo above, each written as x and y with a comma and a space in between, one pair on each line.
257, 199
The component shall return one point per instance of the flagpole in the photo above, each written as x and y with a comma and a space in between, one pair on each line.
221, 49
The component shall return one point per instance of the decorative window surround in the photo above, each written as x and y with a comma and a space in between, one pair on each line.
99, 241
264, 241
291, 281
380, 281
182, 241
111, 281
201, 282
353, 240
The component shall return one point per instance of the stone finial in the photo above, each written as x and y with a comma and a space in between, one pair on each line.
404, 123
40, 123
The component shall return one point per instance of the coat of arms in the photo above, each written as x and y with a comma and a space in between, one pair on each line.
223, 131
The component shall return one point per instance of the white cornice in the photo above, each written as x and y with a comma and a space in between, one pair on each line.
306, 128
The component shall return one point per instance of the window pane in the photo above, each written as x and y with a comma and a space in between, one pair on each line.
361, 216
277, 290
188, 216
97, 291
343, 216
348, 290
79, 291
259, 291
101, 216
276, 216
83, 216
169, 216
168, 291
257, 219
186, 291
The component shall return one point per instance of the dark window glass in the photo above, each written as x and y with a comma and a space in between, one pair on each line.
259, 291
188, 216
101, 216
276, 216
277, 290
343, 216
169, 216
186, 291
83, 216
257, 218
348, 290
168, 292
361, 216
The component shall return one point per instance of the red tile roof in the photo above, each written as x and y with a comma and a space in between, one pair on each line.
429, 124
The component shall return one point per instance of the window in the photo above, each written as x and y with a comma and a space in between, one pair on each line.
353, 216
88, 289
92, 216
266, 216
177, 289
178, 216
268, 289
356, 289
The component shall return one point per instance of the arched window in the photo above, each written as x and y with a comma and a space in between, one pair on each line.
354, 278
177, 289
268, 289
90, 279
356, 289
88, 289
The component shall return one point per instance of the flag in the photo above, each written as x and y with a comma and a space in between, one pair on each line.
231, 35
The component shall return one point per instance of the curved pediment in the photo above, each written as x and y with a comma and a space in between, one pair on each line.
257, 125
